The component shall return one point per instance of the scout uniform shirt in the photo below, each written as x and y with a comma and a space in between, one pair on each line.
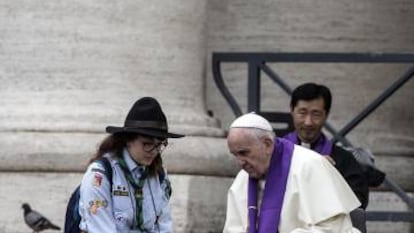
105, 211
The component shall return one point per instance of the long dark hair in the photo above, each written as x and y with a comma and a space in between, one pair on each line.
115, 144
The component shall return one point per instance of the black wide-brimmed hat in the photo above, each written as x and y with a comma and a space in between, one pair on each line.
147, 118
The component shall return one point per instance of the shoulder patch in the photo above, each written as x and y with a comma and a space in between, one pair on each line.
96, 204
97, 167
97, 179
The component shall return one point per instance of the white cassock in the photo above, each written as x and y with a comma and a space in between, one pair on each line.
317, 198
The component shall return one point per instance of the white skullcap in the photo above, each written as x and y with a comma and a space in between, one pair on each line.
251, 120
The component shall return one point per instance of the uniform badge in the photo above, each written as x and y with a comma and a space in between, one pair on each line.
120, 191
97, 179
96, 204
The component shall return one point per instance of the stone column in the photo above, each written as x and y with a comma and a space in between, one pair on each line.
69, 69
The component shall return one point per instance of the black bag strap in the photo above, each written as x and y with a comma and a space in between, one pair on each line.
108, 169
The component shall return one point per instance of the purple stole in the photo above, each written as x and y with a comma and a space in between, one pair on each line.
323, 146
274, 192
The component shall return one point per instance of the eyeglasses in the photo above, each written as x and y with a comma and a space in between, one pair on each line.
150, 146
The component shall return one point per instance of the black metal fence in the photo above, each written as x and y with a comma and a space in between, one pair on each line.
257, 63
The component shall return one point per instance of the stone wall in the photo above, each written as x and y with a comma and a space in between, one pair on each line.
70, 68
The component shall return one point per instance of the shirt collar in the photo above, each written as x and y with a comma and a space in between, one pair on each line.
307, 145
132, 165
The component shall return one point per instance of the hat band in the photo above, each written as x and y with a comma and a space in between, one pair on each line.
146, 124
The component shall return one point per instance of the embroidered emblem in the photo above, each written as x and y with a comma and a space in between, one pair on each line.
96, 204
120, 193
120, 217
97, 179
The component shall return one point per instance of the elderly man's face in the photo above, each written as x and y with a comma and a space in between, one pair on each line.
253, 154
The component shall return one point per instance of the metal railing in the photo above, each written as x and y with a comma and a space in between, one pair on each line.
257, 63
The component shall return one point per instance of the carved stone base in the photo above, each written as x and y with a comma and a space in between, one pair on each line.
388, 201
198, 202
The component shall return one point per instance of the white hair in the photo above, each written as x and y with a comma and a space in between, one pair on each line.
260, 133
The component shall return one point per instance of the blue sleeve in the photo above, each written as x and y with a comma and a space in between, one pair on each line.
95, 204
164, 220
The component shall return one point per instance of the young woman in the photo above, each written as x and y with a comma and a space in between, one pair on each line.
137, 199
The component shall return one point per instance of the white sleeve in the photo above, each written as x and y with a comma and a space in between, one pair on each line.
323, 193
236, 213
317, 198
95, 204
337, 224
165, 220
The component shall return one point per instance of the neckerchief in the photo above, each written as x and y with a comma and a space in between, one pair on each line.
274, 192
323, 145
138, 185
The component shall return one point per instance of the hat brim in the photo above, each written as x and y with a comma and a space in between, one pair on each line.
143, 131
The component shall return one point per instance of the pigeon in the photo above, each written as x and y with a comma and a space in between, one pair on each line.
36, 221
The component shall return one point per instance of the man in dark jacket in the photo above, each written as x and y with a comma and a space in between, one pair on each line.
310, 105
